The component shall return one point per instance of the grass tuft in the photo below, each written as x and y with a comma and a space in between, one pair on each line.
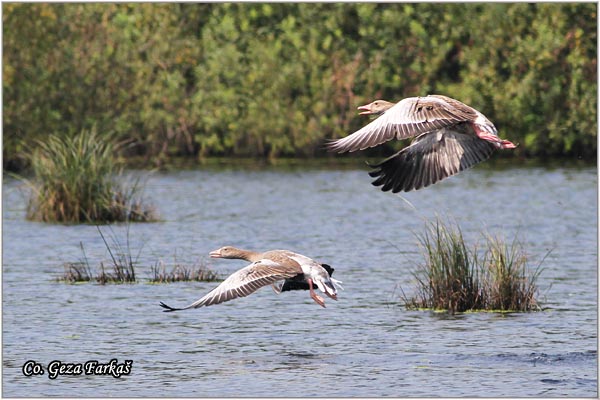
509, 285
121, 267
458, 279
122, 262
75, 272
75, 180
182, 273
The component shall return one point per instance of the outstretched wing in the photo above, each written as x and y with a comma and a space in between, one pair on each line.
431, 158
242, 283
410, 117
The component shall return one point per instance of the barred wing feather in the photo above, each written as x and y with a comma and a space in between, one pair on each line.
410, 117
242, 283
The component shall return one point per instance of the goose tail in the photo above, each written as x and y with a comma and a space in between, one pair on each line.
336, 284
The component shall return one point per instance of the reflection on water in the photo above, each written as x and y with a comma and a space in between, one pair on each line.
269, 345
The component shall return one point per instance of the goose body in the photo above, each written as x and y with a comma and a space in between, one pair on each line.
450, 136
269, 268
299, 282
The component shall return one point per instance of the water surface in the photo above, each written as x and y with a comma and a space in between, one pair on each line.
265, 345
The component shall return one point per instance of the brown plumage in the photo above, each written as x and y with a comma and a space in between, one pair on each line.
266, 269
449, 136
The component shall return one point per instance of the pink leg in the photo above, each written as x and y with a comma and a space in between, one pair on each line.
318, 299
503, 144
507, 144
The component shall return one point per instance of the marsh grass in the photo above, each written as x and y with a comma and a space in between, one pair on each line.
456, 278
79, 271
75, 272
76, 180
448, 279
508, 283
122, 264
182, 273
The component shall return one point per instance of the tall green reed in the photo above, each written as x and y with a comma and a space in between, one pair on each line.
77, 179
457, 278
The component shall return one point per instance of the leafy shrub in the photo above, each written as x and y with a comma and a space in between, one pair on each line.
271, 80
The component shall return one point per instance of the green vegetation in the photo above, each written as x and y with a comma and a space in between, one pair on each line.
182, 273
122, 267
75, 181
458, 279
75, 272
123, 264
272, 80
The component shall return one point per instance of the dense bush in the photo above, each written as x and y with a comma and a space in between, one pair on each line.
252, 79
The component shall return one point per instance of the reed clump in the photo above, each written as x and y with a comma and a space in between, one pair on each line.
76, 180
508, 283
456, 278
182, 273
76, 272
121, 267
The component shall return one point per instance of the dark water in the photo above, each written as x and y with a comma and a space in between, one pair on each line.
266, 345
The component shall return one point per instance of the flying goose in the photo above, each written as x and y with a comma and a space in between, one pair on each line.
298, 282
449, 136
266, 269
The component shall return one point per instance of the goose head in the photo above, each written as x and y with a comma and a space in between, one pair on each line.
228, 252
376, 107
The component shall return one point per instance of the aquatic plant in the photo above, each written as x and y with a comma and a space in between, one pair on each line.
78, 271
75, 272
182, 273
75, 180
455, 278
448, 278
121, 266
508, 284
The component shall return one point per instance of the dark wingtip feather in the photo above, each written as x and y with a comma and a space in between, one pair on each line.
375, 173
168, 308
328, 268
372, 165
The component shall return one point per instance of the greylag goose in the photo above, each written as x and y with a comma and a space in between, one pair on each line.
266, 269
450, 137
298, 282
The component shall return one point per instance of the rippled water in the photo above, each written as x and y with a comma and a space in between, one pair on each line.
266, 345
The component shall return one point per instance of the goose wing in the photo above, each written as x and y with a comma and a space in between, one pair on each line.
431, 158
243, 282
410, 117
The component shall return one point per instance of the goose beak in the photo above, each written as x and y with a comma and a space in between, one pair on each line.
366, 110
215, 254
